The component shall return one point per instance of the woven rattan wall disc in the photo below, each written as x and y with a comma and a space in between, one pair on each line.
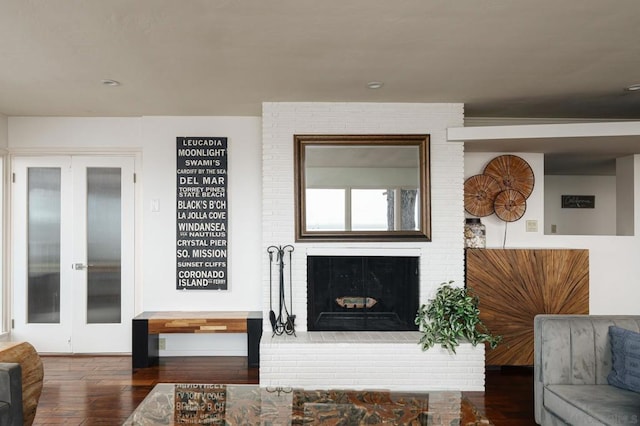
512, 172
479, 193
510, 205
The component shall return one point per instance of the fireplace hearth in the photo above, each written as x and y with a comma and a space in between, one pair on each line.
362, 293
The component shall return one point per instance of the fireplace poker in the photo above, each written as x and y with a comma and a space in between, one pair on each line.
290, 324
272, 315
279, 324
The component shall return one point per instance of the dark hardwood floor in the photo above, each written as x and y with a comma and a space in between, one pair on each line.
508, 396
102, 390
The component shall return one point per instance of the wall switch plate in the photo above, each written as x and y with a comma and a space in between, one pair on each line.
155, 205
162, 343
532, 226
554, 229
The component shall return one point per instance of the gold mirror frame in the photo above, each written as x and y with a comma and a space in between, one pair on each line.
301, 142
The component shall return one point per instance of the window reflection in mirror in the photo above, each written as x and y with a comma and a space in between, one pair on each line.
370, 210
326, 209
362, 187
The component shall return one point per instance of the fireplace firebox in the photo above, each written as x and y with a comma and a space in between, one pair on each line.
362, 293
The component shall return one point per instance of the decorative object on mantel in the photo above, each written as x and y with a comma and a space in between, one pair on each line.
356, 302
451, 316
479, 193
284, 322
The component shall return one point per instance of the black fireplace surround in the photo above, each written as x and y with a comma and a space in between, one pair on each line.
362, 293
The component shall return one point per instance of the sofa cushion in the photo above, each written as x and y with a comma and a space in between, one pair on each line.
625, 354
586, 404
5, 413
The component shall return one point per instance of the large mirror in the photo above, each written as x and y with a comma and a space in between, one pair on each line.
362, 188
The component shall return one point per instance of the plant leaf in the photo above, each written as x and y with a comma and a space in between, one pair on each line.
452, 315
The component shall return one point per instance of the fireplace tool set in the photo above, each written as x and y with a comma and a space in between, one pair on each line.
284, 321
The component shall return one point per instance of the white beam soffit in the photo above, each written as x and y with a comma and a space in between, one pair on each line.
542, 131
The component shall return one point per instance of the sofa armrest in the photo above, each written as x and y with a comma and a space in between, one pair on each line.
11, 390
573, 350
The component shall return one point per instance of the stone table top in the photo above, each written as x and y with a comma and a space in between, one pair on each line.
210, 404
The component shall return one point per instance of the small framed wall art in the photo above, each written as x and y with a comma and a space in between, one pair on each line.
578, 201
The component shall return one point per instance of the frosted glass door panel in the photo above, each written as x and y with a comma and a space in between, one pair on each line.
43, 249
73, 252
103, 245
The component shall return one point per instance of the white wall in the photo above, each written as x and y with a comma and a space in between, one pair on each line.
600, 220
613, 260
4, 141
244, 182
154, 140
4, 131
625, 197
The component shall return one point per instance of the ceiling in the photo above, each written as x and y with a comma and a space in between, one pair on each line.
517, 58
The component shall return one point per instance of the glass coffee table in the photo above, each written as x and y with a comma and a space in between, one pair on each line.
213, 404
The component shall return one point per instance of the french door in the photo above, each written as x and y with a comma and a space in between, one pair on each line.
73, 253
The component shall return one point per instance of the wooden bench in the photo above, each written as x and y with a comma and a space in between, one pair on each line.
149, 325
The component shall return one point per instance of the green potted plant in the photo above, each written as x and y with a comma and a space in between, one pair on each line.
453, 316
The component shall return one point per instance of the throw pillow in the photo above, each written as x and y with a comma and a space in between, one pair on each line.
625, 351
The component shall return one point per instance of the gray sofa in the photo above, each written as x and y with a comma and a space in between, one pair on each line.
572, 358
10, 394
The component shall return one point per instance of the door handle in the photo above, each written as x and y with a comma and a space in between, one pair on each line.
80, 266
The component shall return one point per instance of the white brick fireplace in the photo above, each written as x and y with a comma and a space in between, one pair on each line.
356, 360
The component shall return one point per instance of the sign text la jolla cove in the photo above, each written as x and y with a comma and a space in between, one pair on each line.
201, 225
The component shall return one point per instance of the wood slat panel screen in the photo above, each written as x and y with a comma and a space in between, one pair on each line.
514, 285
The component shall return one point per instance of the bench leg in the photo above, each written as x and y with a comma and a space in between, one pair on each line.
254, 333
144, 347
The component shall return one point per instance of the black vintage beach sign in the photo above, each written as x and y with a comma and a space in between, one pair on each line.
201, 213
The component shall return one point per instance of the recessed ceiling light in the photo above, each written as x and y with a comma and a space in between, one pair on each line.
375, 84
633, 88
111, 83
